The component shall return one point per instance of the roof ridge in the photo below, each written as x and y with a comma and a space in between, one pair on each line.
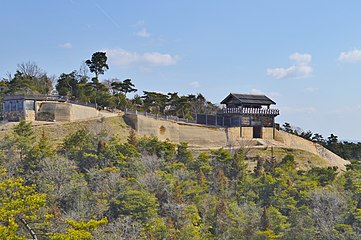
247, 98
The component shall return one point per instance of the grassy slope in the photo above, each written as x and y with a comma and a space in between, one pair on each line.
56, 132
116, 127
304, 160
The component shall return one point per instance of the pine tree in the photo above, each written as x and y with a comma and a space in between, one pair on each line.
41, 150
24, 137
178, 197
132, 137
19, 204
259, 169
265, 225
202, 180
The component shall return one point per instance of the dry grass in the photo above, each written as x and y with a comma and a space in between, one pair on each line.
304, 160
116, 127
56, 132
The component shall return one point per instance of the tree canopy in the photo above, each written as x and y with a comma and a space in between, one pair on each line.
97, 64
95, 187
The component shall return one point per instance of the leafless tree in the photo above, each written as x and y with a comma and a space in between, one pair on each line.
9, 76
246, 145
53, 79
83, 73
328, 209
151, 162
31, 69
122, 228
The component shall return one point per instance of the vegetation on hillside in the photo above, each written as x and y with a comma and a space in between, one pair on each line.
346, 150
96, 187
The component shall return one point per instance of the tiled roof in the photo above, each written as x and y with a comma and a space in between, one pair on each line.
251, 99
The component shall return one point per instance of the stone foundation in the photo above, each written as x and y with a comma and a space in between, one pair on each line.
194, 134
61, 111
14, 116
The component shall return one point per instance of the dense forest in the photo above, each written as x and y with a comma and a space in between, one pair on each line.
95, 187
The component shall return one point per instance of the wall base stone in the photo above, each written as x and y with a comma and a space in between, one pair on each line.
193, 134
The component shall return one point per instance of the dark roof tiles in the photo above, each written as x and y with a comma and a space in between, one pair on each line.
252, 99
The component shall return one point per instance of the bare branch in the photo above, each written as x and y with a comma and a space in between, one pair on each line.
31, 231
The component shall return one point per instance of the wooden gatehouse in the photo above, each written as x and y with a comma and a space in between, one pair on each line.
250, 112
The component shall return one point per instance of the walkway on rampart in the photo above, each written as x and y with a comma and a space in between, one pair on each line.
159, 116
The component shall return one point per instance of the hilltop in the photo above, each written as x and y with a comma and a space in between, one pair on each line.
146, 188
200, 138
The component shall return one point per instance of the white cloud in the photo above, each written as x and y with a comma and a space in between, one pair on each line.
350, 56
257, 91
301, 58
159, 59
260, 92
300, 69
143, 33
195, 84
66, 45
122, 57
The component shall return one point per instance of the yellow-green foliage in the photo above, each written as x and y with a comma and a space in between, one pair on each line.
149, 189
79, 230
17, 201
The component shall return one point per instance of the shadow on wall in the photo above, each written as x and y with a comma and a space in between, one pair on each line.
45, 116
162, 130
130, 121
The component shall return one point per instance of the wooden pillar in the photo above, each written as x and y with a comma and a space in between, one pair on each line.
273, 132
240, 127
24, 110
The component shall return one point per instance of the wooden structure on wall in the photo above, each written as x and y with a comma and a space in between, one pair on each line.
251, 113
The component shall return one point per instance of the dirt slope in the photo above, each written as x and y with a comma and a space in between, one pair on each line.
57, 131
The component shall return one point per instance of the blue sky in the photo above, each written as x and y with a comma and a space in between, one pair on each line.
305, 55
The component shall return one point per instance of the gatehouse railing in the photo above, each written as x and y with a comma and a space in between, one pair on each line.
258, 111
207, 120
